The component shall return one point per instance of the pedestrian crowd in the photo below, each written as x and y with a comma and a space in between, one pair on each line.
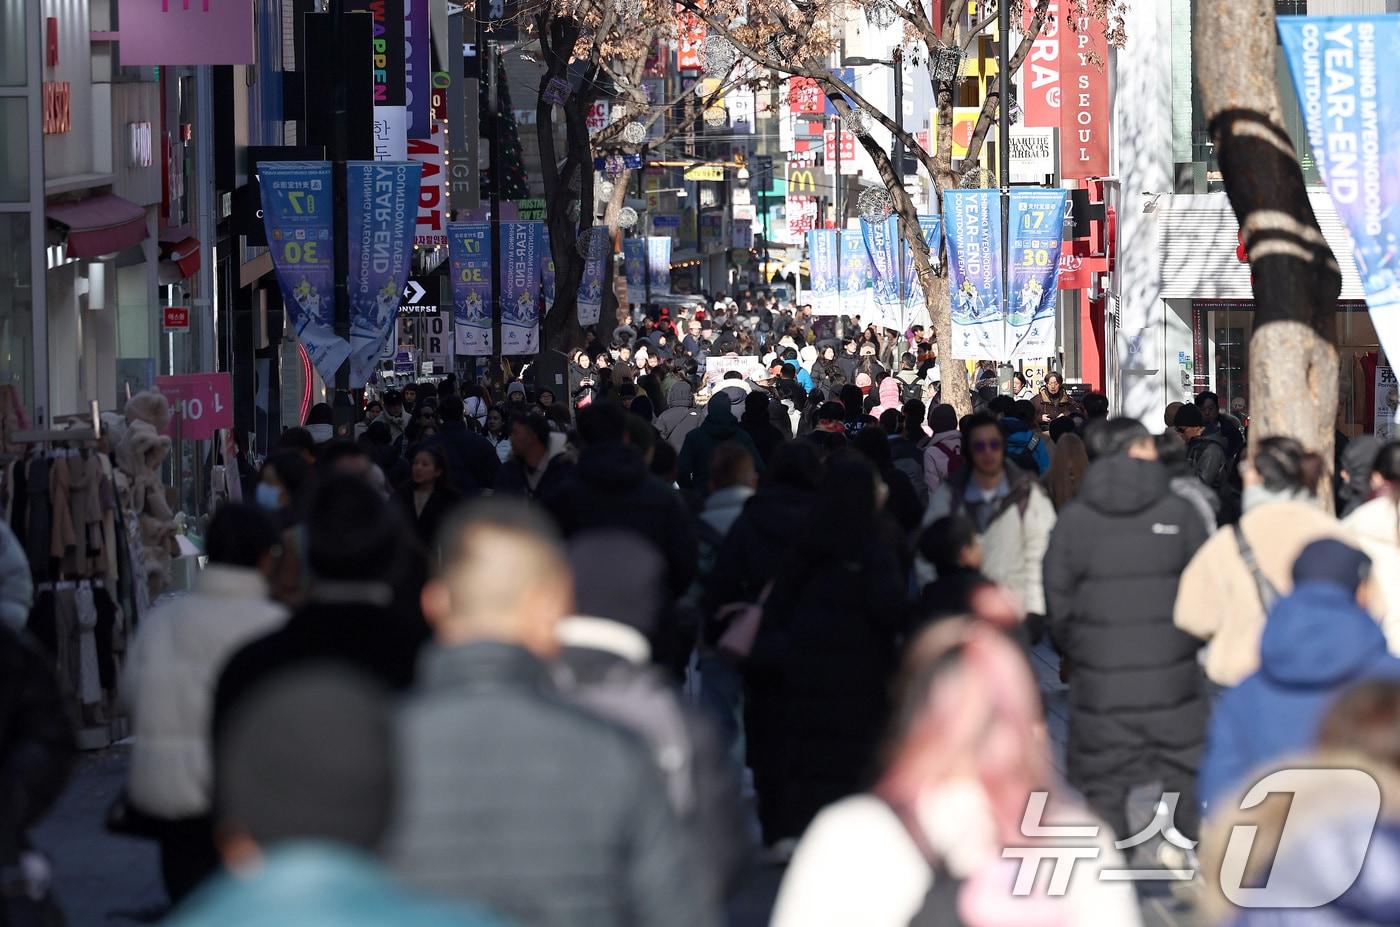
741, 590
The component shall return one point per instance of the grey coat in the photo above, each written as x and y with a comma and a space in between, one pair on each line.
517, 800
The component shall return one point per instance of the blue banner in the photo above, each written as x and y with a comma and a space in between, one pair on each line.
520, 286
915, 307
973, 221
298, 216
1037, 227
659, 263
882, 244
547, 273
382, 210
590, 288
855, 275
823, 257
469, 254
1351, 107
634, 252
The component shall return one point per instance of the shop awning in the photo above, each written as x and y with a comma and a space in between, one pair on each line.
183, 253
100, 224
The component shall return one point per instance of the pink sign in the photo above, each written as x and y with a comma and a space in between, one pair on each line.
201, 404
164, 32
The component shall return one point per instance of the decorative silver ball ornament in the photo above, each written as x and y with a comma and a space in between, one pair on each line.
716, 116
874, 205
604, 189
634, 134
626, 217
857, 121
720, 55
974, 178
947, 62
881, 14
585, 240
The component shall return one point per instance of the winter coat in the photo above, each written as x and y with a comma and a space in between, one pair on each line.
909, 460
36, 740
611, 488
428, 523
180, 648
724, 507
16, 583
804, 379
950, 595
1026, 445
1317, 642
756, 546
522, 802
889, 397
1209, 458
829, 377
500, 445
1218, 600
472, 461
680, 418
939, 453
765, 435
1110, 579
1015, 530
1377, 527
1048, 409
693, 464
516, 478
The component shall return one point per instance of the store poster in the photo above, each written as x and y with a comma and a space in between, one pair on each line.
1387, 399
882, 244
520, 286
297, 214
659, 263
823, 256
590, 288
972, 219
915, 306
382, 210
1036, 227
1352, 115
634, 253
855, 275
469, 257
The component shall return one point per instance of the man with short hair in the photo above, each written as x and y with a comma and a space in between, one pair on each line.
538, 461
1208, 455
512, 797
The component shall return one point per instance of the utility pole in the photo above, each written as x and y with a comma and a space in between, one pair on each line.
1004, 149
897, 149
342, 410
646, 247
491, 51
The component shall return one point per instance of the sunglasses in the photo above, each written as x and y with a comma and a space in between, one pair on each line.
979, 447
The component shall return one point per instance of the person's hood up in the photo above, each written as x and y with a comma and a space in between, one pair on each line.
719, 417
611, 466
808, 356
321, 433
1317, 636
680, 396
1011, 425
889, 396
1120, 485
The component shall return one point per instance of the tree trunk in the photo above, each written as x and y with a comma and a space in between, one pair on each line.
1293, 362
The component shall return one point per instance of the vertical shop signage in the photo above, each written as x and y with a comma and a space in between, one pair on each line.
170, 32
690, 49
469, 258
520, 286
200, 404
387, 70
1040, 79
659, 263
431, 218
823, 252
381, 198
634, 252
1387, 400
1037, 226
973, 222
417, 71
1084, 123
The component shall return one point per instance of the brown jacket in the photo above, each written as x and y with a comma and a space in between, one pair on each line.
1058, 407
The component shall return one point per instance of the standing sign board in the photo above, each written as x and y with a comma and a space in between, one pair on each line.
200, 404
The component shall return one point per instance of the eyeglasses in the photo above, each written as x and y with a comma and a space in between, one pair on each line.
979, 447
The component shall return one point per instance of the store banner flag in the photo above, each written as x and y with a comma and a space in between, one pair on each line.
590, 288
659, 263
298, 217
469, 256
521, 257
547, 271
823, 254
634, 251
972, 219
855, 275
915, 307
382, 206
1351, 107
882, 244
1033, 291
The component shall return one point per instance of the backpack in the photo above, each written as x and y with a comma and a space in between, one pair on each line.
954, 454
1024, 457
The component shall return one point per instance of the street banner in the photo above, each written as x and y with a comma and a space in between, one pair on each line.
432, 189
823, 254
297, 213
387, 66
1351, 107
520, 286
418, 73
882, 244
469, 254
634, 251
547, 272
855, 275
915, 306
590, 288
1040, 78
382, 206
659, 263
1037, 226
973, 222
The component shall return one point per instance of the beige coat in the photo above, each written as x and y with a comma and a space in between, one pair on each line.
1218, 600
1377, 528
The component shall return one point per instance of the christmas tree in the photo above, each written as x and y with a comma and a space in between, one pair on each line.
502, 125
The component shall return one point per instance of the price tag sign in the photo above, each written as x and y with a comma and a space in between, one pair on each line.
200, 403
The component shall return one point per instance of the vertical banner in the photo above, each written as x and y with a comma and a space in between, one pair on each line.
659, 263
634, 252
520, 286
915, 306
547, 287
1040, 78
382, 203
387, 67
1084, 122
469, 253
296, 201
882, 244
590, 288
690, 47
1037, 226
418, 75
973, 222
823, 251
431, 229
855, 275
1349, 101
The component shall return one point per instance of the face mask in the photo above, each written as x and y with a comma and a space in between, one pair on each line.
268, 497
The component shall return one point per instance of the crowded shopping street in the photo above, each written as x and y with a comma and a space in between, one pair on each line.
683, 463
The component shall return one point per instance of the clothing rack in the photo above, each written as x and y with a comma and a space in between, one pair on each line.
52, 435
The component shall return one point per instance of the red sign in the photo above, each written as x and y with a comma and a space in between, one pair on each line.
1084, 123
1041, 78
176, 318
691, 49
805, 96
51, 41
200, 404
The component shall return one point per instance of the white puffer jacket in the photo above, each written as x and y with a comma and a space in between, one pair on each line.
1377, 527
180, 649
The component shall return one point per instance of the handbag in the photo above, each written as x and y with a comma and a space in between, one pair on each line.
1268, 595
744, 620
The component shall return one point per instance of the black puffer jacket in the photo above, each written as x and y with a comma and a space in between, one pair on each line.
757, 545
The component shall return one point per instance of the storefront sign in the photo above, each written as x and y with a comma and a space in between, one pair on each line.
1037, 220
597, 118
417, 72
170, 32
58, 107
845, 157
420, 297
431, 226
1387, 400
469, 256
520, 286
823, 254
801, 216
200, 404
690, 49
381, 207
1032, 155
1040, 79
387, 68
805, 96
175, 318
973, 222
742, 119
531, 209
1084, 122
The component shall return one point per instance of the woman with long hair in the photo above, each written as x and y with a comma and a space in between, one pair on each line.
428, 496
1067, 468
1377, 528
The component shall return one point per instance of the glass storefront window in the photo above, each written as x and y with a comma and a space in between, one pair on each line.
14, 149
16, 305
14, 36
